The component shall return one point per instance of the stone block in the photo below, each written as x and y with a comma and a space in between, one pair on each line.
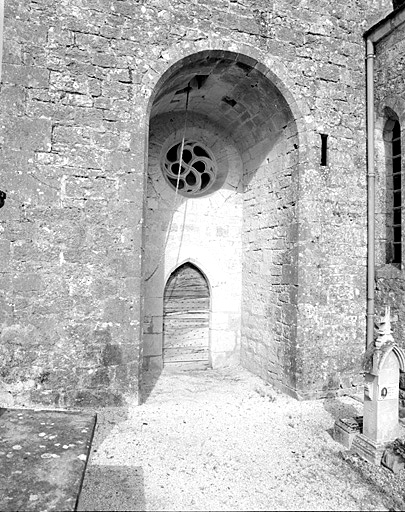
129, 287
57, 488
345, 430
88, 117
151, 363
70, 134
153, 305
27, 134
368, 449
130, 185
151, 325
393, 461
96, 187
107, 140
95, 398
152, 345
91, 41
117, 311
77, 100
112, 355
157, 324
29, 76
59, 36
121, 161
13, 100
4, 255
27, 282
116, 90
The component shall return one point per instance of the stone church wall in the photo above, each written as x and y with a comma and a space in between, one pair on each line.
71, 228
77, 87
389, 101
270, 277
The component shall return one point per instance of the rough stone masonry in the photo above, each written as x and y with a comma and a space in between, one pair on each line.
92, 93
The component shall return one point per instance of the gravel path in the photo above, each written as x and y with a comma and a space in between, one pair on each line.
223, 440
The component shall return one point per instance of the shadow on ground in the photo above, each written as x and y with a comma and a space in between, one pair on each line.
339, 409
113, 488
148, 382
107, 419
379, 480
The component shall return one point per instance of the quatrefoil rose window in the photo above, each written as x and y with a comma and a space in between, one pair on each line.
197, 171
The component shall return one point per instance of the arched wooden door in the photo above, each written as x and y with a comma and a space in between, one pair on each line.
186, 319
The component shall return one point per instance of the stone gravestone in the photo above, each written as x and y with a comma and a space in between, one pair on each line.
381, 392
43, 458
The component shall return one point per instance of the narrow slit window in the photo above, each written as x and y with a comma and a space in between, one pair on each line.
324, 149
396, 195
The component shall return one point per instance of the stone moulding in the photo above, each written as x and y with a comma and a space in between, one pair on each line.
368, 449
374, 358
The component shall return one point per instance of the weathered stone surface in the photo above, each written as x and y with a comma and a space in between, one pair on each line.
389, 73
79, 85
393, 461
346, 429
43, 458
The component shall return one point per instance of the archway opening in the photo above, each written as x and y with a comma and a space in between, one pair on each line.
186, 315
242, 230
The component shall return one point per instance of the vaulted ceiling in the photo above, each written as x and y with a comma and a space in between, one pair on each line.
232, 94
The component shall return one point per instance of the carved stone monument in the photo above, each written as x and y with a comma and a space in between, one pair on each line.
381, 390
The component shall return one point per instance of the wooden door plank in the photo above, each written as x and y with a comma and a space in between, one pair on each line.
186, 317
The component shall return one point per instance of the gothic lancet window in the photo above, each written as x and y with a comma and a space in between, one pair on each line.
397, 193
394, 189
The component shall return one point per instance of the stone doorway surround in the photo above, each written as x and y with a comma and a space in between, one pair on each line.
186, 319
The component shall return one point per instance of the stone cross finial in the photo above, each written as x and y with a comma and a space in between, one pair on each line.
384, 331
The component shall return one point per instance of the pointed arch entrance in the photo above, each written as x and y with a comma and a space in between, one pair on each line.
186, 314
